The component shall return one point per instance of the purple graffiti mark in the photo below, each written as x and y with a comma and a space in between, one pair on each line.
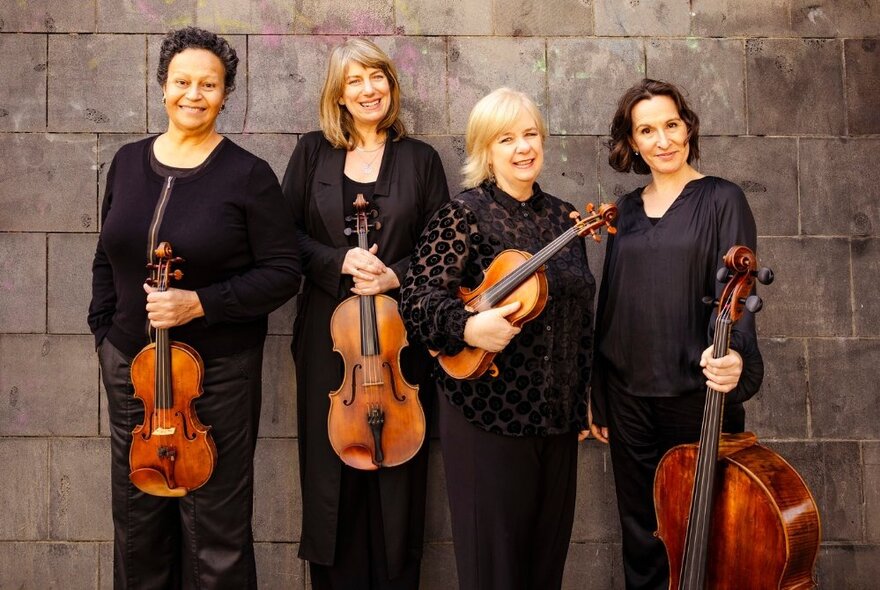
148, 11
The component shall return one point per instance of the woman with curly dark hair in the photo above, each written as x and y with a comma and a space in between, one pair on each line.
652, 359
221, 209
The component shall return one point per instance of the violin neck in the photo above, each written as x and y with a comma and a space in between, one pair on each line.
508, 284
163, 393
693, 568
369, 328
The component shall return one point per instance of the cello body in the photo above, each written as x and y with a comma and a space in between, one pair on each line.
765, 525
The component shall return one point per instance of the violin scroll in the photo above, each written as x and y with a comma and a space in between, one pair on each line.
596, 220
740, 271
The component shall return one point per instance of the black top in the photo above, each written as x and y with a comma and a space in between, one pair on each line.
651, 323
227, 221
545, 369
350, 190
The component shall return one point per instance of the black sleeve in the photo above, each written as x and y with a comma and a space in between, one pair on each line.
275, 274
103, 304
429, 304
598, 389
321, 264
736, 226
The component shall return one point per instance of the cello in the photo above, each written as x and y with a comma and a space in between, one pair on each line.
515, 275
731, 512
375, 418
172, 452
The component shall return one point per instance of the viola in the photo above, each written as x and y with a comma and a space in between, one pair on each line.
375, 419
172, 452
731, 512
515, 275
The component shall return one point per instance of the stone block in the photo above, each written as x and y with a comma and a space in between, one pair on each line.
849, 567
595, 513
23, 289
766, 169
41, 374
281, 320
47, 182
421, 67
740, 18
585, 79
844, 407
285, 79
711, 74
277, 496
105, 566
438, 521
570, 170
533, 17
779, 409
835, 18
865, 269
478, 66
438, 567
48, 16
278, 416
108, 145
96, 83
807, 297
443, 17
335, 17
613, 184
278, 567
23, 494
23, 93
69, 286
833, 473
666, 18
590, 566
230, 120
871, 456
453, 154
79, 490
275, 148
72, 566
795, 86
149, 16
862, 57
839, 187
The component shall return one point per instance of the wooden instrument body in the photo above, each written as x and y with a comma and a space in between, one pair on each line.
472, 363
172, 452
764, 525
403, 429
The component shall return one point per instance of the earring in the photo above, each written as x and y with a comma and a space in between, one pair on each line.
223, 107
163, 99
637, 152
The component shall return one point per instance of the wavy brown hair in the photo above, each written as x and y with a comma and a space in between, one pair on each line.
622, 157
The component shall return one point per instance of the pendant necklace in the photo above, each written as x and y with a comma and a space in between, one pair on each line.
367, 167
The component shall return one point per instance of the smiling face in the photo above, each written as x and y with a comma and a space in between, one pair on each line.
659, 135
517, 155
194, 91
366, 93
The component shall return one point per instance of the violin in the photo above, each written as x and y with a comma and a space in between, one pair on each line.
732, 513
375, 419
515, 275
172, 452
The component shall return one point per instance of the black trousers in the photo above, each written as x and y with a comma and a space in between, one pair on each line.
641, 430
512, 504
360, 560
203, 540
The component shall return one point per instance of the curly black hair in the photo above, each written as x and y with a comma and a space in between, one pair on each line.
622, 157
195, 38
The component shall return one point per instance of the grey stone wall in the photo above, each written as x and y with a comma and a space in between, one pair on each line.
788, 91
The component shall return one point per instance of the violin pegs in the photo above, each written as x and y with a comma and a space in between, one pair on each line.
611, 229
347, 231
177, 274
765, 275
723, 274
754, 303
590, 207
709, 300
377, 226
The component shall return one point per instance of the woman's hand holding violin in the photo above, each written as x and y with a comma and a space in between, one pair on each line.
173, 307
490, 330
371, 276
723, 373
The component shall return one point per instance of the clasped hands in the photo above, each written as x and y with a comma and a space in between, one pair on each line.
370, 274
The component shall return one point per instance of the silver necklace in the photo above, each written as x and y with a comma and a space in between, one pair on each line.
367, 167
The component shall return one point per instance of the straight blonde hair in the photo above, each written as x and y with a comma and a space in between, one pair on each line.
336, 122
490, 117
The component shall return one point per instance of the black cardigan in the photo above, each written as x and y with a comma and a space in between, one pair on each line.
227, 221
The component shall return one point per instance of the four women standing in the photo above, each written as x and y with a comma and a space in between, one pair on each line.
509, 441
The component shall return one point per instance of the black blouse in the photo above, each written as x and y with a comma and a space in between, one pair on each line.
544, 370
651, 323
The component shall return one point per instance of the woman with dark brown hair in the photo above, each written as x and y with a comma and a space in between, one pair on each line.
652, 359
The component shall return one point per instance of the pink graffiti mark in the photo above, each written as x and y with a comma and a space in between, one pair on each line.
147, 10
271, 41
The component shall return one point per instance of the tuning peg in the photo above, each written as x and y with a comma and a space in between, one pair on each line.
754, 303
765, 275
151, 266
708, 300
177, 274
611, 229
348, 231
377, 226
723, 274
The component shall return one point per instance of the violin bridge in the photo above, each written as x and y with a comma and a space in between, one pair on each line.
164, 431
